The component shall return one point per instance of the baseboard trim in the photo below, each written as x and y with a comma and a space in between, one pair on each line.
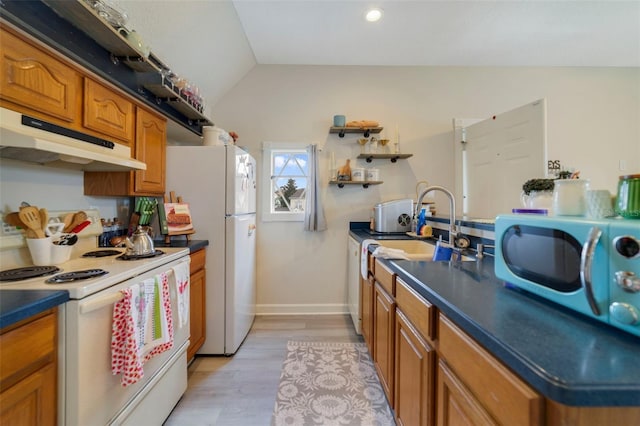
299, 309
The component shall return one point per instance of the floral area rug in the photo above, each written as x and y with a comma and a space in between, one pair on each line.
330, 384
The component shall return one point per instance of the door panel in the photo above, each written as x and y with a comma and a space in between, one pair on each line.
510, 144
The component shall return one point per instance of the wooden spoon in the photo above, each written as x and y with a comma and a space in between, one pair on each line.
44, 219
31, 218
78, 218
68, 218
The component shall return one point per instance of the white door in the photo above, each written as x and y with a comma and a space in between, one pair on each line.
241, 181
510, 144
240, 279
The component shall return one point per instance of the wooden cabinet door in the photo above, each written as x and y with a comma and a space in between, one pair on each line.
414, 376
28, 371
32, 400
197, 312
456, 405
197, 302
33, 79
108, 113
366, 304
151, 141
383, 338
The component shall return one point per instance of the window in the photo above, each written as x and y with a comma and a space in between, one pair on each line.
285, 185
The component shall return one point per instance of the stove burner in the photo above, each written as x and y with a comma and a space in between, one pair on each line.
27, 272
101, 253
139, 256
76, 276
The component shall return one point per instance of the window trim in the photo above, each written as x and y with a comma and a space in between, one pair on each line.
267, 150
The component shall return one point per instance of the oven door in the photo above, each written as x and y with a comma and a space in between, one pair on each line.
91, 393
563, 260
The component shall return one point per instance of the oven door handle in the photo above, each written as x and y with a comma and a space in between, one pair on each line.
107, 299
100, 302
586, 262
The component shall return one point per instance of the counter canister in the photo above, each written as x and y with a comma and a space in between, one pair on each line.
628, 197
373, 175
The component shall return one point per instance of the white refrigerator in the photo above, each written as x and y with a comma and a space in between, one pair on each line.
219, 184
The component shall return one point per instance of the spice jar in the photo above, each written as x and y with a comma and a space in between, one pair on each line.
628, 198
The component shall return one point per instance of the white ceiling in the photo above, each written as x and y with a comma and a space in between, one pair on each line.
435, 33
215, 43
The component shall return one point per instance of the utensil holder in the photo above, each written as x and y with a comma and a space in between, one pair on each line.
45, 253
40, 250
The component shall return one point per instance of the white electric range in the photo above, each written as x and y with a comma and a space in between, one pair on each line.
88, 392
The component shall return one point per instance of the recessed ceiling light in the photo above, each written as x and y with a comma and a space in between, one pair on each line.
373, 15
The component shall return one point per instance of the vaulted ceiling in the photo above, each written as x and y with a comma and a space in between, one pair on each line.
215, 43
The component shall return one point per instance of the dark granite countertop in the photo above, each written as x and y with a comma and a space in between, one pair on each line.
565, 356
193, 245
16, 305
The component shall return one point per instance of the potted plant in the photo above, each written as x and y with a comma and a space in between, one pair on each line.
538, 193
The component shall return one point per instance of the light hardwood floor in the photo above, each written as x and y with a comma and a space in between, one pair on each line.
241, 389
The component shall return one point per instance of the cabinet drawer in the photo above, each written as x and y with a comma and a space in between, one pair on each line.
108, 113
385, 277
503, 395
198, 259
419, 312
27, 348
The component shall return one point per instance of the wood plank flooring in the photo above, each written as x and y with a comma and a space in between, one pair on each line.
241, 390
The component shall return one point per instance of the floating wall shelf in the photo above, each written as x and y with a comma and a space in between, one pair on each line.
85, 18
365, 184
341, 131
392, 157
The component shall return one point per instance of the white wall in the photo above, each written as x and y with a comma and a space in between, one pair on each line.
593, 122
52, 188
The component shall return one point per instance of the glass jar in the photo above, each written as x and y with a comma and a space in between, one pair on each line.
628, 197
569, 197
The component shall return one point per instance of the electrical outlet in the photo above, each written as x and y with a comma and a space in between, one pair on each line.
10, 230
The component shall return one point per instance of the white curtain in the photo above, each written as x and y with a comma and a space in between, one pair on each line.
314, 219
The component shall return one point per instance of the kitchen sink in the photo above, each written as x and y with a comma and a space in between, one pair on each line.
416, 249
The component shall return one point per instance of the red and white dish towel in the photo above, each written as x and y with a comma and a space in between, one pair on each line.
142, 327
181, 274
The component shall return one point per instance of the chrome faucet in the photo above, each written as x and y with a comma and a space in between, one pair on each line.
452, 210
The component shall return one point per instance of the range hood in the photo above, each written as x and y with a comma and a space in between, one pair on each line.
33, 140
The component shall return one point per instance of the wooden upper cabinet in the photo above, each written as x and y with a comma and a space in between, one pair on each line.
33, 80
150, 148
108, 113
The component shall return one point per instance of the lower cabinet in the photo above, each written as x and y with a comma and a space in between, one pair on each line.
414, 375
456, 405
383, 340
472, 381
435, 373
197, 303
366, 304
28, 371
